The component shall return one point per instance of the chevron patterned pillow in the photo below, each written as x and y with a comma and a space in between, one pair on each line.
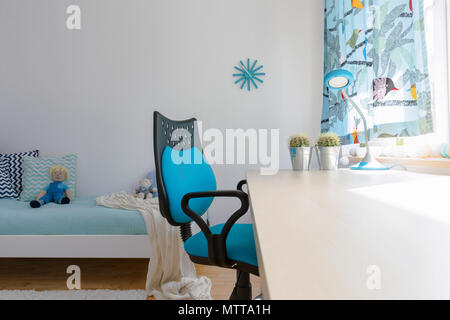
6, 188
36, 177
15, 161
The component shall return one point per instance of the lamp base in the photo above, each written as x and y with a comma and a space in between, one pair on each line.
371, 165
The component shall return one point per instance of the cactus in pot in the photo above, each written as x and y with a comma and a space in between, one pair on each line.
299, 147
328, 150
299, 140
328, 139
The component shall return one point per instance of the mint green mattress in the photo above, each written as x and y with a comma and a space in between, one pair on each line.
81, 217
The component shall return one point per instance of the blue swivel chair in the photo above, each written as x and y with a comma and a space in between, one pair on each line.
186, 189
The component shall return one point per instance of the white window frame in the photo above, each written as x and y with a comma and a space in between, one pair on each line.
437, 17
447, 21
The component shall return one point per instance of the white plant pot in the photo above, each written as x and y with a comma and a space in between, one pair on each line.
328, 157
300, 158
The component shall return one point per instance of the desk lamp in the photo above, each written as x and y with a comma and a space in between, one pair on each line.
339, 80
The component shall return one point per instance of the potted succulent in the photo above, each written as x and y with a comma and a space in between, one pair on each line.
328, 146
300, 150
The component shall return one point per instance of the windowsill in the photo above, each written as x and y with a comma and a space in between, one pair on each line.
434, 163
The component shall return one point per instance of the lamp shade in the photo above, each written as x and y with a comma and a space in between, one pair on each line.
338, 79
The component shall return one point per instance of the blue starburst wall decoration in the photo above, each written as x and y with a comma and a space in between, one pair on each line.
249, 74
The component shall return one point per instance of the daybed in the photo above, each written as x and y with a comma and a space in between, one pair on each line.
81, 229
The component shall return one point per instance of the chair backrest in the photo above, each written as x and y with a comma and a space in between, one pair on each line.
180, 167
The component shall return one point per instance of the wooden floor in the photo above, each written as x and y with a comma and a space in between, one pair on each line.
118, 274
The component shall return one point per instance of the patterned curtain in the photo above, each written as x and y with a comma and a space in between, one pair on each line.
382, 42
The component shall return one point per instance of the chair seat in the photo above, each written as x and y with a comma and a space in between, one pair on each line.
240, 243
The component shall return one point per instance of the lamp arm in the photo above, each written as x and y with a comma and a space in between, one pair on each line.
366, 132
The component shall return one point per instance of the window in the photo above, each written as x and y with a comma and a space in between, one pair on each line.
437, 28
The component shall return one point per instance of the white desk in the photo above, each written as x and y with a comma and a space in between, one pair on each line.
319, 232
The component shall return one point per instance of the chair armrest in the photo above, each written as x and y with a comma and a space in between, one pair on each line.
241, 184
216, 242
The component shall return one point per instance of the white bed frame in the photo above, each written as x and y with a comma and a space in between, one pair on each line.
75, 246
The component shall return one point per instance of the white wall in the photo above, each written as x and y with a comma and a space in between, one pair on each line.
93, 91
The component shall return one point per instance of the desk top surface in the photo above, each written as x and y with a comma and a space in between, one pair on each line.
347, 234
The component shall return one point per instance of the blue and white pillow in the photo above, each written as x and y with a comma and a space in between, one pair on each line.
6, 188
15, 163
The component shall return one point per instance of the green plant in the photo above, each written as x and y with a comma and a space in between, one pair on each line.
328, 139
400, 141
299, 140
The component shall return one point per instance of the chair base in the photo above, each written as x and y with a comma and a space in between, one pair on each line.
243, 287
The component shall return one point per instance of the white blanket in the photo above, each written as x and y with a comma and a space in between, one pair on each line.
171, 274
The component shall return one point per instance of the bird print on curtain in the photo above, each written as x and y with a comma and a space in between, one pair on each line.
382, 42
381, 87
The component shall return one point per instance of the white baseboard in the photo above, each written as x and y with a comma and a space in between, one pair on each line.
74, 246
